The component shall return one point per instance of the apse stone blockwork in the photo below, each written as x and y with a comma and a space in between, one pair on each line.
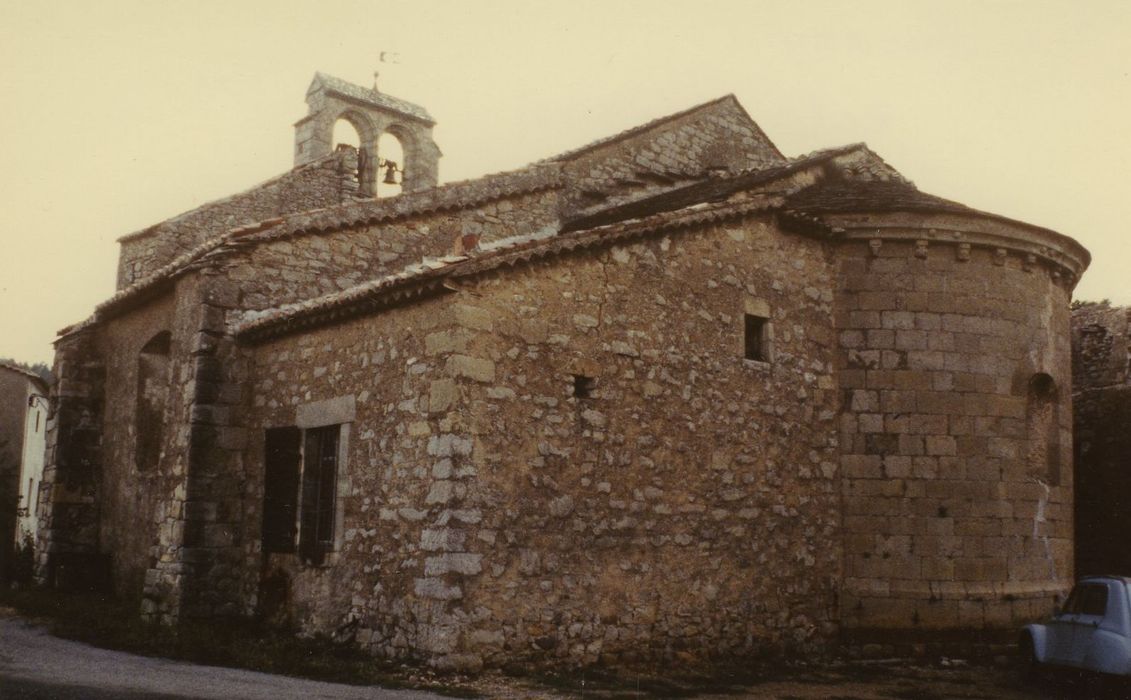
671, 394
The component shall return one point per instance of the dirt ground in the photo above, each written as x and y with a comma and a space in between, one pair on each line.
837, 681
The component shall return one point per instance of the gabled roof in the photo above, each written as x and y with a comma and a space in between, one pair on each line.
841, 180
447, 197
369, 97
835, 195
648, 126
38, 380
845, 196
847, 179
706, 190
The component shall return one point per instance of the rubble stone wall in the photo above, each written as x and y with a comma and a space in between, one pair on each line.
67, 538
406, 408
326, 182
688, 507
1101, 365
956, 429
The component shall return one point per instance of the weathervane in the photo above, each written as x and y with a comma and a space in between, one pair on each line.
385, 57
392, 169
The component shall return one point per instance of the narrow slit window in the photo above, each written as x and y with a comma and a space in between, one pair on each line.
756, 343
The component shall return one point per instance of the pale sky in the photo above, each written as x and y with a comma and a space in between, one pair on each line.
119, 114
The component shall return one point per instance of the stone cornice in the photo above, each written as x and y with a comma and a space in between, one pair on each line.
974, 230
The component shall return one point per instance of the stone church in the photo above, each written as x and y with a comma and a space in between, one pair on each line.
670, 393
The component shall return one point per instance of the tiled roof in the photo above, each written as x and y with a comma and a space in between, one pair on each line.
843, 195
371, 97
450, 196
629, 133
455, 195
850, 178
427, 278
704, 191
215, 202
25, 372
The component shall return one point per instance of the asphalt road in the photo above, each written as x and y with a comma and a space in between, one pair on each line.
33, 664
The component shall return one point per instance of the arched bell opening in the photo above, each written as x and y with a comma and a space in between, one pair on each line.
391, 166
345, 133
354, 131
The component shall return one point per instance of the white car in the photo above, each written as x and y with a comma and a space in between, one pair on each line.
1091, 631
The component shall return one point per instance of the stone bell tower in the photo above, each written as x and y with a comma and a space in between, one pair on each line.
372, 114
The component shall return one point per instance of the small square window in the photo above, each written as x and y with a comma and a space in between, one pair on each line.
583, 386
756, 343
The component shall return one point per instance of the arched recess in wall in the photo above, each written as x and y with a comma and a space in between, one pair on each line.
152, 395
354, 131
391, 150
1043, 429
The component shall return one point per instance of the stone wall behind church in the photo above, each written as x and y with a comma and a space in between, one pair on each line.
1101, 364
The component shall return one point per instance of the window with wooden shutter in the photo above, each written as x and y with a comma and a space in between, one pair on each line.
280, 489
319, 490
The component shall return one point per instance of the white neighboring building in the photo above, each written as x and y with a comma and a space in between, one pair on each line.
23, 430
31, 463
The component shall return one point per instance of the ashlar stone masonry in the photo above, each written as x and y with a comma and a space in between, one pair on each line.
669, 395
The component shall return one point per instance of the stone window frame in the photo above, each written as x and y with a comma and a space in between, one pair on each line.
340, 411
758, 309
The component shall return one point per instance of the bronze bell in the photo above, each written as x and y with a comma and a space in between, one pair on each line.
390, 173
